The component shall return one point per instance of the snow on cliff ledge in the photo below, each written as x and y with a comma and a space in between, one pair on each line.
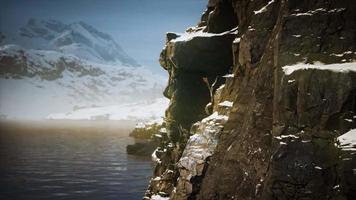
337, 67
138, 111
348, 140
187, 36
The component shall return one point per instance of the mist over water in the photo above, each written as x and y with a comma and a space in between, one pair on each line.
72, 160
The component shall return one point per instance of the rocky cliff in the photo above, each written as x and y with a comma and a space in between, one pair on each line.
262, 103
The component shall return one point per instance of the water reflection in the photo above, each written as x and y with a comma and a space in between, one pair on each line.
69, 163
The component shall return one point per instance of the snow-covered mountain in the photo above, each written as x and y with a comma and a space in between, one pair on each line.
77, 38
50, 67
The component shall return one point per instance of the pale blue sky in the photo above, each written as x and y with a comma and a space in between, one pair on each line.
139, 26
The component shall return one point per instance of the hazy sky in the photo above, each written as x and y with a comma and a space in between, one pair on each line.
139, 26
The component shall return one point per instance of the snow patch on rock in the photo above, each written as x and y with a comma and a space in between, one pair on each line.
187, 36
348, 140
264, 8
200, 146
338, 68
202, 143
158, 197
226, 104
155, 158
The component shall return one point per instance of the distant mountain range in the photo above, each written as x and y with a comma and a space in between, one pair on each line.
49, 67
79, 39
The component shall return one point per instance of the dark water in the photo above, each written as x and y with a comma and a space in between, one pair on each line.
59, 162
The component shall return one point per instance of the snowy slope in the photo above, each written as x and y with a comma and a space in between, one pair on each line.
147, 111
53, 75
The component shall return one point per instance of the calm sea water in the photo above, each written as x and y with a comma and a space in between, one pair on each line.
74, 162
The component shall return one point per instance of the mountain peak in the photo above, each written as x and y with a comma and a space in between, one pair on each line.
77, 38
94, 31
46, 29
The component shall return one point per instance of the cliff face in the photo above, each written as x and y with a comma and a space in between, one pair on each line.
281, 82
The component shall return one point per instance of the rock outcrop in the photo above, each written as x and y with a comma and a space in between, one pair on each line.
146, 137
280, 77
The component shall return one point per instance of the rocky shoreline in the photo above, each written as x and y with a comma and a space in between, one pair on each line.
146, 137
